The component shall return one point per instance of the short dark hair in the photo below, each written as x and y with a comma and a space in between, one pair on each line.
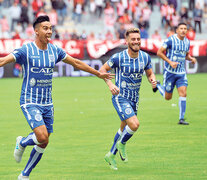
181, 23
40, 19
132, 30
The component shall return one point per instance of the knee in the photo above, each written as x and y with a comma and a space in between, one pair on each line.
43, 139
168, 98
135, 126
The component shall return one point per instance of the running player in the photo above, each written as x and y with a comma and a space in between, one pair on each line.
129, 66
177, 51
38, 59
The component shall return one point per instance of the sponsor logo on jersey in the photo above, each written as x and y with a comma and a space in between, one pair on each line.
134, 76
46, 71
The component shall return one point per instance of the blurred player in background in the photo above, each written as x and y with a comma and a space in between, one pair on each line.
129, 66
177, 51
38, 60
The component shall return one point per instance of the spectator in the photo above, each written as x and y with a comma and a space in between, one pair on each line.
174, 2
74, 35
36, 6
14, 12
184, 14
133, 5
205, 14
61, 11
156, 35
83, 35
191, 33
41, 12
24, 18
66, 35
175, 20
99, 7
16, 35
144, 33
109, 35
4, 24
197, 15
191, 4
30, 32
121, 32
171, 32
109, 18
120, 9
138, 13
146, 12
77, 14
57, 35
141, 23
91, 36
92, 8
53, 18
164, 9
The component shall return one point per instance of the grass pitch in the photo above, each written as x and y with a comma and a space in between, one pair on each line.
85, 125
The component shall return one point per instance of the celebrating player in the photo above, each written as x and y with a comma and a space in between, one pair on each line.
129, 66
38, 59
177, 51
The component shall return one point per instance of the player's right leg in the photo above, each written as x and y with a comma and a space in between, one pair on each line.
42, 127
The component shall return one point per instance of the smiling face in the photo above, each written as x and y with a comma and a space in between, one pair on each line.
134, 42
181, 31
44, 32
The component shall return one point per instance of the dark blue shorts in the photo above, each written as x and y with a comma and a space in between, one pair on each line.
38, 115
124, 107
170, 80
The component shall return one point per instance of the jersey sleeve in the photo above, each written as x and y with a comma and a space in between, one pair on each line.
113, 62
167, 43
20, 55
61, 54
148, 62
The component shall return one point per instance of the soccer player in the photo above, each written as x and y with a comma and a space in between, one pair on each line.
38, 60
129, 66
177, 51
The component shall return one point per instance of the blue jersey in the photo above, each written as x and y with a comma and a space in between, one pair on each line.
129, 72
176, 51
38, 68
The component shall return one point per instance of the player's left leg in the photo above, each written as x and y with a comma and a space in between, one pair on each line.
182, 104
129, 130
182, 84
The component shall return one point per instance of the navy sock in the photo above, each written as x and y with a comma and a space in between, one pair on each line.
116, 138
182, 107
30, 140
35, 157
126, 135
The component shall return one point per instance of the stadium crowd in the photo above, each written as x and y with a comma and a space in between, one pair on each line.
116, 15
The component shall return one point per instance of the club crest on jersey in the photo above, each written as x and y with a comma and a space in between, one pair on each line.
51, 58
123, 84
32, 82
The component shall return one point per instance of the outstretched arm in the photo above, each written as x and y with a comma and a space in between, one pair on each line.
190, 58
112, 87
162, 55
84, 67
7, 59
151, 77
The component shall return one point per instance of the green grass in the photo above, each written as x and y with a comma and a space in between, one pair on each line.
85, 125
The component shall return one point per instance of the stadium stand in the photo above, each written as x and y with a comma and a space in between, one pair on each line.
101, 17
